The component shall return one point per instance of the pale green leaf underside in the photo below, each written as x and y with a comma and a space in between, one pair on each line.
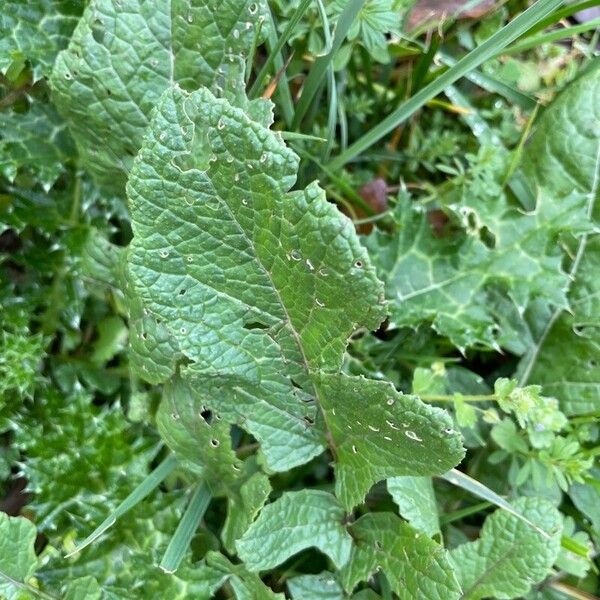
565, 155
510, 555
294, 522
315, 587
416, 502
36, 30
18, 560
122, 57
249, 286
415, 566
379, 433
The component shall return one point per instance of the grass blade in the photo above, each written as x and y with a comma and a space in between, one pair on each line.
141, 491
319, 69
456, 477
552, 36
488, 49
563, 13
275, 50
283, 89
489, 84
185, 530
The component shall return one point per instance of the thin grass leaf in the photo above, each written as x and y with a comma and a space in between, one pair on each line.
492, 85
295, 135
563, 13
319, 69
151, 482
552, 36
457, 515
186, 529
275, 51
283, 92
459, 479
487, 50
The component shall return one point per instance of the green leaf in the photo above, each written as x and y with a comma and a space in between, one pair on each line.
315, 587
124, 55
451, 281
294, 522
18, 560
199, 439
587, 500
562, 155
416, 502
242, 283
36, 31
242, 508
66, 433
36, 141
565, 155
245, 585
510, 556
86, 588
379, 433
415, 566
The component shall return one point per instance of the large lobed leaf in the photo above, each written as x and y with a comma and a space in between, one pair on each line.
251, 292
124, 55
564, 154
452, 279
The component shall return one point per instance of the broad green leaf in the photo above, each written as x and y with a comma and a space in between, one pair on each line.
198, 438
574, 563
244, 284
565, 155
294, 522
587, 500
242, 508
510, 556
86, 588
18, 560
415, 566
245, 585
102, 261
315, 587
379, 433
124, 55
36, 141
35, 31
562, 155
416, 502
451, 281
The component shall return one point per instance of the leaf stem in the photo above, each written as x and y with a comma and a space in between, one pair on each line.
453, 397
